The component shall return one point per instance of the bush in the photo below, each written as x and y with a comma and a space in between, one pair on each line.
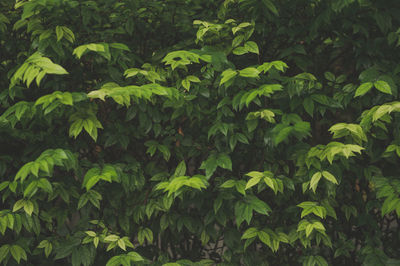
236, 132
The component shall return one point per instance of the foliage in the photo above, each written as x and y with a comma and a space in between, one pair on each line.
235, 132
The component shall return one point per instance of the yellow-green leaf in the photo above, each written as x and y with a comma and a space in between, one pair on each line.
363, 89
383, 86
314, 181
328, 176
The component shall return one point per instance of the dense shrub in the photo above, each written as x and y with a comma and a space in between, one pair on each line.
236, 132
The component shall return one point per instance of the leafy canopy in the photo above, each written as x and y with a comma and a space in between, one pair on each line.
235, 132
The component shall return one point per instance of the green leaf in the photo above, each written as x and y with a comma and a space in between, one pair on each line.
252, 182
383, 86
250, 72
224, 161
91, 233
59, 33
283, 134
250, 233
31, 189
45, 185
309, 229
321, 261
363, 89
92, 181
192, 78
329, 76
227, 75
390, 205
180, 169
133, 256
228, 184
252, 47
319, 211
48, 249
314, 180
84, 198
79, 51
269, 4
143, 234
28, 207
308, 105
4, 250
381, 111
121, 244
328, 176
165, 151
264, 237
68, 34
111, 238
307, 204
93, 175
4, 185
18, 205
117, 261
240, 51
186, 84
237, 41
120, 46
18, 253
258, 205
